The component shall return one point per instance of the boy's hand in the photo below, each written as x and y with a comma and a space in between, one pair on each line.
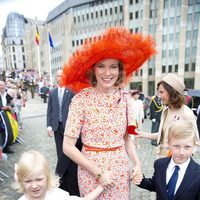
137, 178
50, 133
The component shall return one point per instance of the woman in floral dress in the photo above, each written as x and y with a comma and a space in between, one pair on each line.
101, 113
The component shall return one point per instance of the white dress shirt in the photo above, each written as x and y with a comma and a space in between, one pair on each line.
3, 99
181, 173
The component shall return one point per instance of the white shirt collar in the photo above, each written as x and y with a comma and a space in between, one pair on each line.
182, 166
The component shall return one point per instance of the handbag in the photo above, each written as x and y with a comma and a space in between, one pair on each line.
131, 126
14, 125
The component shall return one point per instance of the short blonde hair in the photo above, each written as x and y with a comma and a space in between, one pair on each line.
182, 129
30, 162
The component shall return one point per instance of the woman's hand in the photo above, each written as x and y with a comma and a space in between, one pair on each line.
107, 179
137, 178
140, 134
137, 170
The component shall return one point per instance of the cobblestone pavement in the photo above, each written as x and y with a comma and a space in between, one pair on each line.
35, 137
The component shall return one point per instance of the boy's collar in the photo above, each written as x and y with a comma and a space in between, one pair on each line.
182, 166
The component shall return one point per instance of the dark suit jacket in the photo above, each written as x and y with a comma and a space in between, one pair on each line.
53, 108
190, 185
53, 120
8, 98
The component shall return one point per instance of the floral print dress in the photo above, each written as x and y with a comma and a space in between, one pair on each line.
101, 119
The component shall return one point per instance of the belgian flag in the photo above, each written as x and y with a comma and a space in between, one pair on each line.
37, 36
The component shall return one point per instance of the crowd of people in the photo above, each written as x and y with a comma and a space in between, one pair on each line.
14, 88
97, 126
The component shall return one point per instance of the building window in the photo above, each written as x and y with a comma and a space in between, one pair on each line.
164, 54
87, 16
14, 57
163, 69
13, 49
106, 12
136, 14
151, 14
23, 49
136, 1
136, 30
186, 67
176, 54
164, 22
131, 2
166, 3
110, 11
190, 2
73, 44
131, 15
141, 72
136, 85
189, 83
101, 13
176, 68
141, 14
171, 20
96, 14
170, 68
170, 53
116, 9
23, 57
172, 4
151, 88
150, 71
131, 30
193, 66
121, 8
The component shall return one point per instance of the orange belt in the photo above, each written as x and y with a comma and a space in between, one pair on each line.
97, 149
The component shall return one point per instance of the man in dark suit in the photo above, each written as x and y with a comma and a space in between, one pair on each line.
156, 108
57, 111
5, 105
176, 177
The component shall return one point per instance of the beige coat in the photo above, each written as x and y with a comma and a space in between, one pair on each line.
184, 113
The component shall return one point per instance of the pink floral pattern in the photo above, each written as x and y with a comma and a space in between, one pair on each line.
102, 121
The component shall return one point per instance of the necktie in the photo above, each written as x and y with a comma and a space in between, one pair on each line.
60, 103
172, 183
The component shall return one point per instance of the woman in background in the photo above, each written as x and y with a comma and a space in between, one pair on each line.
170, 89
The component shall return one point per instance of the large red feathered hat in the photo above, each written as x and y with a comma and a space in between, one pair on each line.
118, 43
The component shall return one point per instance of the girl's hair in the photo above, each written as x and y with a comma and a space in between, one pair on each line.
30, 162
175, 98
182, 129
93, 81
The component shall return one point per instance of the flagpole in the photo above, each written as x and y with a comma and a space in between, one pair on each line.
50, 73
39, 67
37, 40
50, 44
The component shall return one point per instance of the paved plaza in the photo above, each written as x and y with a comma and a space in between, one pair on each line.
34, 135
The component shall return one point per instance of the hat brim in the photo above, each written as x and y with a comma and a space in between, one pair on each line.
117, 43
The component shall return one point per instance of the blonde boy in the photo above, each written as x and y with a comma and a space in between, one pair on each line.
176, 177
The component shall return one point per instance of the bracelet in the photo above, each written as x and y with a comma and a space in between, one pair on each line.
99, 175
